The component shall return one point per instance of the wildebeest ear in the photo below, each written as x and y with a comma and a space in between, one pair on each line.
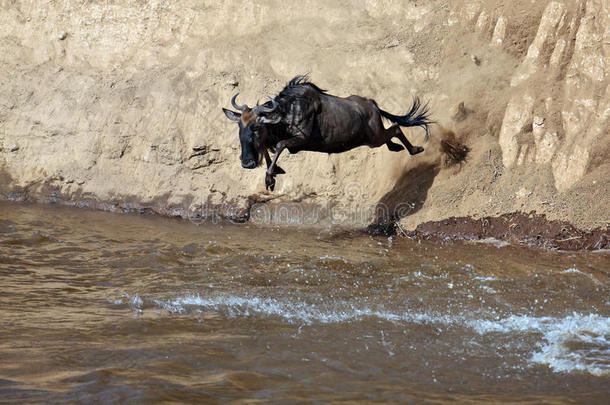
232, 115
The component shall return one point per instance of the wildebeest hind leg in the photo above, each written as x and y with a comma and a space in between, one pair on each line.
413, 150
394, 147
382, 135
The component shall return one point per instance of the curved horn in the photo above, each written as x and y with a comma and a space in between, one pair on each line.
262, 109
237, 107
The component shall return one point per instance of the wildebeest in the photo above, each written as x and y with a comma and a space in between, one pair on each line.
304, 117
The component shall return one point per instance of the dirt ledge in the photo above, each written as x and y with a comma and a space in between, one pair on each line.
531, 229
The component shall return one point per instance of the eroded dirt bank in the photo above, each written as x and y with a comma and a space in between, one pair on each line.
532, 229
116, 105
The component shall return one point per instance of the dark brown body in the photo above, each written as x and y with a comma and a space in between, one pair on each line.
342, 124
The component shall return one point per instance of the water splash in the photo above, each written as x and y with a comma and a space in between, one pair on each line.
576, 342
295, 311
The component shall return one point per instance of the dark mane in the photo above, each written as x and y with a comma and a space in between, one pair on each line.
298, 83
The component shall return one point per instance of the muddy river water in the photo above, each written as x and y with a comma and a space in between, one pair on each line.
110, 308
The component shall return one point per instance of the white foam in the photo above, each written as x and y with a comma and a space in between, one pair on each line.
295, 311
589, 334
423, 276
481, 278
492, 241
335, 258
572, 270
135, 302
488, 289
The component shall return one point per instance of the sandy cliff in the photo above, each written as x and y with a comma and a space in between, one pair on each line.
116, 104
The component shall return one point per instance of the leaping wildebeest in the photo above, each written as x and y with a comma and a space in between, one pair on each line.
305, 117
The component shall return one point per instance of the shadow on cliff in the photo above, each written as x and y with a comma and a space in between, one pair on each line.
406, 198
411, 189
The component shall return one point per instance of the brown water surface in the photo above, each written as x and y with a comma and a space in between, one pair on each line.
100, 307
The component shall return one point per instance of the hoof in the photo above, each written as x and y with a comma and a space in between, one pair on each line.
269, 182
416, 150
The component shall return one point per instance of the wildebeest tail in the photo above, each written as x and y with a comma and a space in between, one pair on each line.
418, 116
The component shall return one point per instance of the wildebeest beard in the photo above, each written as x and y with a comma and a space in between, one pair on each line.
258, 149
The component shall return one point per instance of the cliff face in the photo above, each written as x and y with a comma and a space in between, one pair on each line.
118, 104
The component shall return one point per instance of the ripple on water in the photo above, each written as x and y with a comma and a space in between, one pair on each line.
576, 342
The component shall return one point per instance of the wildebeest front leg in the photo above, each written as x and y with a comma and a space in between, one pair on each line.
277, 169
272, 169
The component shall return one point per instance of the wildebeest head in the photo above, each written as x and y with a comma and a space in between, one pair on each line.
252, 129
